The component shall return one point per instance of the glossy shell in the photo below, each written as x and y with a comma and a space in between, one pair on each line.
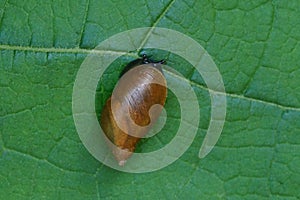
132, 109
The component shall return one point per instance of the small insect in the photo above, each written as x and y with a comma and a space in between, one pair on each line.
132, 109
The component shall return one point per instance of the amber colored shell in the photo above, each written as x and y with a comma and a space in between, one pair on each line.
136, 92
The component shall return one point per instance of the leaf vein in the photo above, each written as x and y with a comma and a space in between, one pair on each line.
42, 160
2, 14
84, 22
163, 13
87, 51
281, 106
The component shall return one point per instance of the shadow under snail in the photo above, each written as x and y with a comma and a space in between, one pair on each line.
134, 106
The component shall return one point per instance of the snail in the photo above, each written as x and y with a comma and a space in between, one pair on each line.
134, 106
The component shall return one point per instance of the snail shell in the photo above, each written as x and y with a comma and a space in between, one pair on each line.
133, 107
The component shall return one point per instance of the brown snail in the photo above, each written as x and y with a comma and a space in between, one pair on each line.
132, 109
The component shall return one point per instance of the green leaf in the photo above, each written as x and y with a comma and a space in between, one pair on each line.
255, 45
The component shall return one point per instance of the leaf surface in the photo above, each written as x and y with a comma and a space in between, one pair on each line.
255, 45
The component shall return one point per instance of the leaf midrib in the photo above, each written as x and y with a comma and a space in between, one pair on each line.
100, 52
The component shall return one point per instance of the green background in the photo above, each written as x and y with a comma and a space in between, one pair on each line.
256, 47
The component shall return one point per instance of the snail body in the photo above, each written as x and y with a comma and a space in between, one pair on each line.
134, 106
